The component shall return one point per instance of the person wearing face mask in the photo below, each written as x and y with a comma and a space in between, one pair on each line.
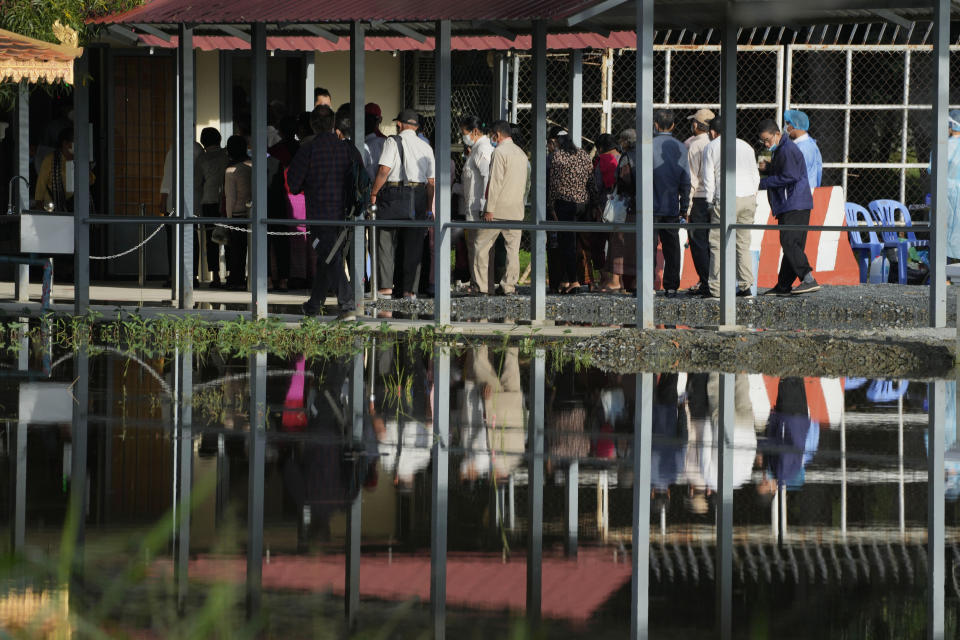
476, 173
790, 198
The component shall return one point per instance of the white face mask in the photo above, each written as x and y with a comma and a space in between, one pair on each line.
70, 149
467, 140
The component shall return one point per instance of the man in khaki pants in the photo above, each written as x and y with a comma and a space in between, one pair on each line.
748, 180
505, 190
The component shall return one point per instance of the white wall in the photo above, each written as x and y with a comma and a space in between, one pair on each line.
384, 81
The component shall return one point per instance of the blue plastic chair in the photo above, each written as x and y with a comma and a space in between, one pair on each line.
884, 390
885, 213
849, 384
864, 251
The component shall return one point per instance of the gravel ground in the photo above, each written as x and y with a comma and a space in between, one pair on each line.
833, 307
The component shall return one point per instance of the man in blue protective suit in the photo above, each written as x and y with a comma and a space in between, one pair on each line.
953, 187
784, 179
796, 124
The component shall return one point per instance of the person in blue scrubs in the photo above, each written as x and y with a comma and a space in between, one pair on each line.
796, 124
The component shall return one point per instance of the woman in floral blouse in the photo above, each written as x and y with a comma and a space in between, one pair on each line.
571, 174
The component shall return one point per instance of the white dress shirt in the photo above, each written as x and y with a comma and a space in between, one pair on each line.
476, 173
418, 160
748, 177
695, 161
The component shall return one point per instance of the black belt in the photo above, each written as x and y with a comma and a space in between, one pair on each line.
405, 184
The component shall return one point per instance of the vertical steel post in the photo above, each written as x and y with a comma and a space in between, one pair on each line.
258, 132
787, 82
724, 559
538, 182
728, 173
310, 81
848, 100
642, 448
515, 89
358, 252
780, 79
351, 587
939, 206
187, 133
81, 191
442, 203
572, 507
500, 99
439, 490
22, 277
936, 540
184, 438
644, 164
535, 487
257, 452
904, 132
576, 96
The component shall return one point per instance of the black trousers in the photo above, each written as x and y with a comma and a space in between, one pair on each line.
330, 275
568, 212
700, 239
794, 264
670, 245
209, 210
237, 258
791, 397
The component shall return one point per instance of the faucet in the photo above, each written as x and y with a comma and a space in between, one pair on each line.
11, 210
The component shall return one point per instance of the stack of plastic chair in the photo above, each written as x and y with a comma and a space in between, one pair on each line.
866, 251
885, 391
890, 213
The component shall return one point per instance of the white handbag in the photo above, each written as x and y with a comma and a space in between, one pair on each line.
615, 211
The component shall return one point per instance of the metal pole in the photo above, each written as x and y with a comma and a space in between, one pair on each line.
187, 134
78, 460
535, 487
644, 167
19, 528
780, 79
358, 252
22, 278
257, 452
642, 447
936, 540
141, 264
667, 68
184, 435
787, 82
576, 96
939, 206
538, 189
902, 493
81, 191
906, 123
724, 560
572, 506
442, 203
355, 512
728, 173
258, 133
439, 489
843, 468
846, 118
515, 88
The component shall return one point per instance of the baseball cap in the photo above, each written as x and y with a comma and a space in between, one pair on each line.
408, 116
796, 119
703, 116
373, 109
954, 120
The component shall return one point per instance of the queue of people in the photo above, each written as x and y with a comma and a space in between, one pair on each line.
313, 173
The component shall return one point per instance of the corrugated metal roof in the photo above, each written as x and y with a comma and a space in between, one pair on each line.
339, 11
615, 40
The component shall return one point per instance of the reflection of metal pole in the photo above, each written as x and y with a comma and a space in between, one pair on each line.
18, 532
936, 539
354, 521
439, 489
903, 516
183, 406
78, 460
535, 487
724, 559
642, 443
572, 506
843, 467
257, 452
140, 251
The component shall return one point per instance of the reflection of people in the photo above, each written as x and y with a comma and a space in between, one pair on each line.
744, 436
492, 430
791, 438
669, 434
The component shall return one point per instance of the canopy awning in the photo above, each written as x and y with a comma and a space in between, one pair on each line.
23, 58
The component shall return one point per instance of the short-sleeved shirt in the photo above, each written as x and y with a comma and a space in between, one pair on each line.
418, 161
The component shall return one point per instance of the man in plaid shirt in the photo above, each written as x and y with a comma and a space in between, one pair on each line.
322, 170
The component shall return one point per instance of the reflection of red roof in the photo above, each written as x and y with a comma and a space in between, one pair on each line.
572, 589
616, 40
339, 11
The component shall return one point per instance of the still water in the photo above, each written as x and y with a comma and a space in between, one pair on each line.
481, 492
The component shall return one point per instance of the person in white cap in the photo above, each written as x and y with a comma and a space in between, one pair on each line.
699, 211
796, 123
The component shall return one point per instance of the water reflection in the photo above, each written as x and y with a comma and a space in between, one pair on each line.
488, 481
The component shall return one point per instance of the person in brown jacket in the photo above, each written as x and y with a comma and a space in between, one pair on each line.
505, 201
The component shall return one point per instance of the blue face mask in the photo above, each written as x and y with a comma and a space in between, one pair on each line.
773, 147
493, 143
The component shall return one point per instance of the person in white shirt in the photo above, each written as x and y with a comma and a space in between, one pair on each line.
699, 210
748, 181
391, 192
474, 178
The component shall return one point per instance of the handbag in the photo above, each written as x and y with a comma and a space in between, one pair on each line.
615, 210
397, 203
220, 235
